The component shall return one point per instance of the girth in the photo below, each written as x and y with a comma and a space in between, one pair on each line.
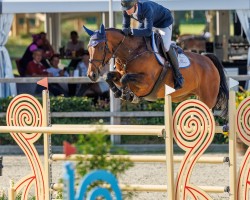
152, 95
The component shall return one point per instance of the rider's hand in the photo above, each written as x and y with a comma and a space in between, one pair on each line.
127, 31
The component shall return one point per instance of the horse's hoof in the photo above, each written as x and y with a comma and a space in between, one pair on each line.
136, 99
126, 97
130, 98
118, 94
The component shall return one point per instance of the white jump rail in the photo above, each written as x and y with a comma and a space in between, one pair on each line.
140, 158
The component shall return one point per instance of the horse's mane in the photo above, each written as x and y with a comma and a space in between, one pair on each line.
139, 40
114, 29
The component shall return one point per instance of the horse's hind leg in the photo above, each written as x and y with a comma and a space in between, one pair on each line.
110, 78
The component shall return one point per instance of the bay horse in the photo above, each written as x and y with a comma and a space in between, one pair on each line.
195, 43
137, 70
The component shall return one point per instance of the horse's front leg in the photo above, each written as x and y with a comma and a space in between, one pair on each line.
127, 94
111, 78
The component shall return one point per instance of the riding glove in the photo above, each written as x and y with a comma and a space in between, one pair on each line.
127, 31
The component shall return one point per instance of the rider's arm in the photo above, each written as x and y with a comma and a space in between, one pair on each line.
126, 20
146, 30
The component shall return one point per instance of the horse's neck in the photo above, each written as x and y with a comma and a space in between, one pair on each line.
113, 38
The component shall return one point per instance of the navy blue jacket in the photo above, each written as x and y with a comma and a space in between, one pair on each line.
150, 14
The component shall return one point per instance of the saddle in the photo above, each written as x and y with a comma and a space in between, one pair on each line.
160, 53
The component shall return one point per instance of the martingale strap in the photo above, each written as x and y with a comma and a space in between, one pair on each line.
152, 96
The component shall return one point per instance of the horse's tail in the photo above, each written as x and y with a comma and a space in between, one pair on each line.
223, 96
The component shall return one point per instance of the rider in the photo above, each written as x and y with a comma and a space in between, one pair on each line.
152, 15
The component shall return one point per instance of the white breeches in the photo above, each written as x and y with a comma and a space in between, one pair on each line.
166, 34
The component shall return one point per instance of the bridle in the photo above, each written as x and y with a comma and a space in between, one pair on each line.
103, 61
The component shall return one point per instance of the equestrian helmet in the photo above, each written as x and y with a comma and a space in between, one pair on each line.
128, 4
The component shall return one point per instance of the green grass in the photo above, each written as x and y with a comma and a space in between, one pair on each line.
198, 29
16, 46
191, 29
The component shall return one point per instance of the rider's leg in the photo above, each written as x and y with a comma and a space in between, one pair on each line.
178, 79
166, 34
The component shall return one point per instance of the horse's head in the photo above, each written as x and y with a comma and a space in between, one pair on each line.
98, 51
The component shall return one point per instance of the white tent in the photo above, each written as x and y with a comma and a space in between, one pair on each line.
60, 6
6, 89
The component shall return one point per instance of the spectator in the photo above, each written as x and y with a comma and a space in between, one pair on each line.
37, 43
28, 55
56, 72
36, 69
47, 48
95, 90
83, 65
74, 47
54, 67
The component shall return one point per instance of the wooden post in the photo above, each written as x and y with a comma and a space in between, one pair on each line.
232, 145
169, 147
11, 191
14, 26
223, 30
47, 144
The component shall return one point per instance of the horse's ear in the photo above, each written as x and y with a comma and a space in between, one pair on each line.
88, 31
102, 29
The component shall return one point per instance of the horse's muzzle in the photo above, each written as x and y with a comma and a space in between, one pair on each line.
93, 76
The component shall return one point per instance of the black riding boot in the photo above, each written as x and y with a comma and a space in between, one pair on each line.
178, 79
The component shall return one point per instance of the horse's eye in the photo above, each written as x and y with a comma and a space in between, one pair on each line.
101, 48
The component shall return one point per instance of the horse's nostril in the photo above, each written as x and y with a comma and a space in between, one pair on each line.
93, 76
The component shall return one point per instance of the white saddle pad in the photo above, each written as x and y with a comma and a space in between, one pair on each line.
182, 58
